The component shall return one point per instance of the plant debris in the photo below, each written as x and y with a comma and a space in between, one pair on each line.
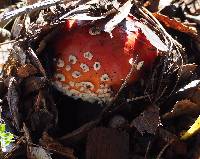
174, 24
156, 116
147, 121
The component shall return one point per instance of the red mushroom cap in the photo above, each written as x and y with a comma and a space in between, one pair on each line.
92, 66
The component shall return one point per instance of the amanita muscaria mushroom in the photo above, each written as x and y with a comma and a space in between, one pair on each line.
92, 65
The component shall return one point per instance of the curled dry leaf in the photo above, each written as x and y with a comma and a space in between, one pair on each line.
53, 145
26, 70
123, 13
35, 61
17, 27
174, 24
183, 107
13, 101
148, 121
152, 37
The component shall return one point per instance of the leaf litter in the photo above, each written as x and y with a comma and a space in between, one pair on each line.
53, 124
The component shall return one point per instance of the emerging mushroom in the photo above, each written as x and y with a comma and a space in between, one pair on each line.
92, 65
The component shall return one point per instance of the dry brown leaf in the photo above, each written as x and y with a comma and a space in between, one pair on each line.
148, 121
53, 145
35, 61
174, 24
181, 108
17, 27
26, 70
196, 97
13, 101
187, 70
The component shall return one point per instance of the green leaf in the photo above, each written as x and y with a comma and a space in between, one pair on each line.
2, 127
5, 137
